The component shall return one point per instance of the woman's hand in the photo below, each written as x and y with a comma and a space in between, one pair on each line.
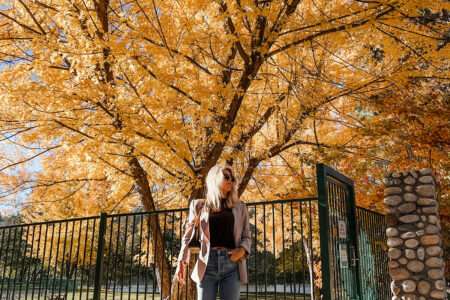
181, 268
236, 254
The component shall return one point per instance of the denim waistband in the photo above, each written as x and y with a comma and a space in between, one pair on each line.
220, 252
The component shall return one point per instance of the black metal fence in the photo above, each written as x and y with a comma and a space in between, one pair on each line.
114, 256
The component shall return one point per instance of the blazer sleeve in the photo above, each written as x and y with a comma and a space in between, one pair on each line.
246, 240
184, 250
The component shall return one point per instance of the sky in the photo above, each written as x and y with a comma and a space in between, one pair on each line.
10, 150
32, 166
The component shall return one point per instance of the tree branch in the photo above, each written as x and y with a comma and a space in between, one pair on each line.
73, 129
187, 57
170, 85
20, 24
327, 31
257, 127
28, 159
232, 29
32, 17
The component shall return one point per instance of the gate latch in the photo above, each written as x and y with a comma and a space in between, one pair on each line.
354, 259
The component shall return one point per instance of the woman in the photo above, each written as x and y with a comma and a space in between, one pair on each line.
225, 238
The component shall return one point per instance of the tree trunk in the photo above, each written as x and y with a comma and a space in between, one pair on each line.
161, 261
309, 261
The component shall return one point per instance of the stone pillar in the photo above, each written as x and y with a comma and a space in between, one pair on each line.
415, 250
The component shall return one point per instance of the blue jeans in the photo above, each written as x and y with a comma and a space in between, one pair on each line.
221, 274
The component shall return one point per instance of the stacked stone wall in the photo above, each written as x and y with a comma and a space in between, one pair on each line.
416, 263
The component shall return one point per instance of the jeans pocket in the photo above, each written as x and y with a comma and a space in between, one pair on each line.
231, 263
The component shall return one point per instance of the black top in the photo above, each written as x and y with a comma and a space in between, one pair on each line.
221, 227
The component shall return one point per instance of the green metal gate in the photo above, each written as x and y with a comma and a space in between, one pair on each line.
354, 263
373, 263
338, 242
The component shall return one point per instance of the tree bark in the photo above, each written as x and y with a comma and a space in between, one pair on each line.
309, 261
161, 261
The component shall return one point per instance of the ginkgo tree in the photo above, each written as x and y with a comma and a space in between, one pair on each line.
131, 103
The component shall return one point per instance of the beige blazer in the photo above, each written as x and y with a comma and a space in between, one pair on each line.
241, 238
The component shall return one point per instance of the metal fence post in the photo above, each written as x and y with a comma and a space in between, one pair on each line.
323, 229
99, 260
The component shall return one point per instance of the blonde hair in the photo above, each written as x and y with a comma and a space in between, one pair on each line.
214, 181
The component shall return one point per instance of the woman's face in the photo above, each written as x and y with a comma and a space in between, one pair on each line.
227, 184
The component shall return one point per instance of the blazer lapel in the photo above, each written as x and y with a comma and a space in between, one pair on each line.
204, 223
236, 224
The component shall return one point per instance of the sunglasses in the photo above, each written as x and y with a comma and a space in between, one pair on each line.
228, 177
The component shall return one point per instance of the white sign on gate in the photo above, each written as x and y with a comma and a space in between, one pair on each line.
343, 253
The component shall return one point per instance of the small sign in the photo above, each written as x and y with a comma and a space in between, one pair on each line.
342, 229
343, 253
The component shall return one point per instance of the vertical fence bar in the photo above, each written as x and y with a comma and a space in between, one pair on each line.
10, 252
131, 256
29, 263
248, 274
116, 256
154, 254
63, 257
147, 265
37, 257
99, 259
139, 256
90, 258
11, 262
69, 263
1, 257
284, 254
162, 255
17, 262
293, 250
84, 258
2, 240
6, 262
303, 250
255, 253
56, 259
171, 248
265, 252
49, 260
76, 262
311, 250
274, 252
181, 238
43, 260
23, 260
323, 228
109, 256
124, 256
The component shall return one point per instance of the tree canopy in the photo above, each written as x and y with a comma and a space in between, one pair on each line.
133, 102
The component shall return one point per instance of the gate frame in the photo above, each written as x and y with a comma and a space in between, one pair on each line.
323, 171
